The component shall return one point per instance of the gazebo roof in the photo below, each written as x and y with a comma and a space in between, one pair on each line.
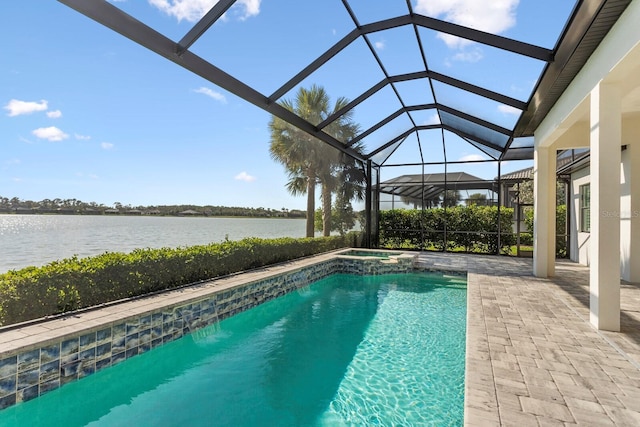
411, 186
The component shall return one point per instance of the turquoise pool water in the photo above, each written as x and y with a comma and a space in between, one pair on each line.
346, 350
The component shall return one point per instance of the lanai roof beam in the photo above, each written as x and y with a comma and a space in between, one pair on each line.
203, 24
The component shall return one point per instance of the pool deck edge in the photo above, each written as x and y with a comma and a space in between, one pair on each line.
33, 335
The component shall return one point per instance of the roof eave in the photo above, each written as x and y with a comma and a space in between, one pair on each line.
590, 23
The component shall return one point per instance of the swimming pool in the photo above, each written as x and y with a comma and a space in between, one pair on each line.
328, 354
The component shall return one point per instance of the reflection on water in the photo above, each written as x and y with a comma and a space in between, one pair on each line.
38, 239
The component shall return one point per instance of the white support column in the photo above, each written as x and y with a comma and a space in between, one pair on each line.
544, 230
606, 135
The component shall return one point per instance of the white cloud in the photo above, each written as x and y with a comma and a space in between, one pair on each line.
508, 109
51, 133
243, 176
82, 137
55, 114
471, 157
379, 45
17, 107
526, 87
492, 17
212, 94
251, 7
193, 10
106, 145
472, 55
434, 119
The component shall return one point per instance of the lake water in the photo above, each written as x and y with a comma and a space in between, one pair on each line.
27, 240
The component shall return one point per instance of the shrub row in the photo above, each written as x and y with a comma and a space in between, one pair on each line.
75, 283
561, 223
468, 228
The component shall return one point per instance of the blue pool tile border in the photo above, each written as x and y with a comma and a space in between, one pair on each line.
25, 375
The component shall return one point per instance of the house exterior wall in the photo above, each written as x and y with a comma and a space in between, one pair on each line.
579, 241
626, 216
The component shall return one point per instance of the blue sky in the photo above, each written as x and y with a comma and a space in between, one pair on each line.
86, 113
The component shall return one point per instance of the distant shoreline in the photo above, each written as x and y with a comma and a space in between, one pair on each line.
77, 207
178, 215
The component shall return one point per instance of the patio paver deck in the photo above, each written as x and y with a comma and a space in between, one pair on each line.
533, 358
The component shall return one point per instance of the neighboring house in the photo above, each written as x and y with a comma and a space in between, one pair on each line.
21, 210
509, 194
510, 183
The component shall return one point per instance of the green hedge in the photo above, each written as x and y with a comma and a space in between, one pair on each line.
561, 221
469, 228
75, 283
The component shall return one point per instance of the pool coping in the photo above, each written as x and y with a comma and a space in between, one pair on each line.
29, 334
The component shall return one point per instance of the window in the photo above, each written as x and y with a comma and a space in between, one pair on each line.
585, 208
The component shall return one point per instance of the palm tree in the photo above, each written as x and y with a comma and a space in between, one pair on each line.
479, 199
450, 198
341, 173
353, 180
308, 160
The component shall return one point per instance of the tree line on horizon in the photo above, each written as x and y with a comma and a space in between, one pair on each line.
76, 206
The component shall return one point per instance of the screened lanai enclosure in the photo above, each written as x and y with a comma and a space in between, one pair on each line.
437, 88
